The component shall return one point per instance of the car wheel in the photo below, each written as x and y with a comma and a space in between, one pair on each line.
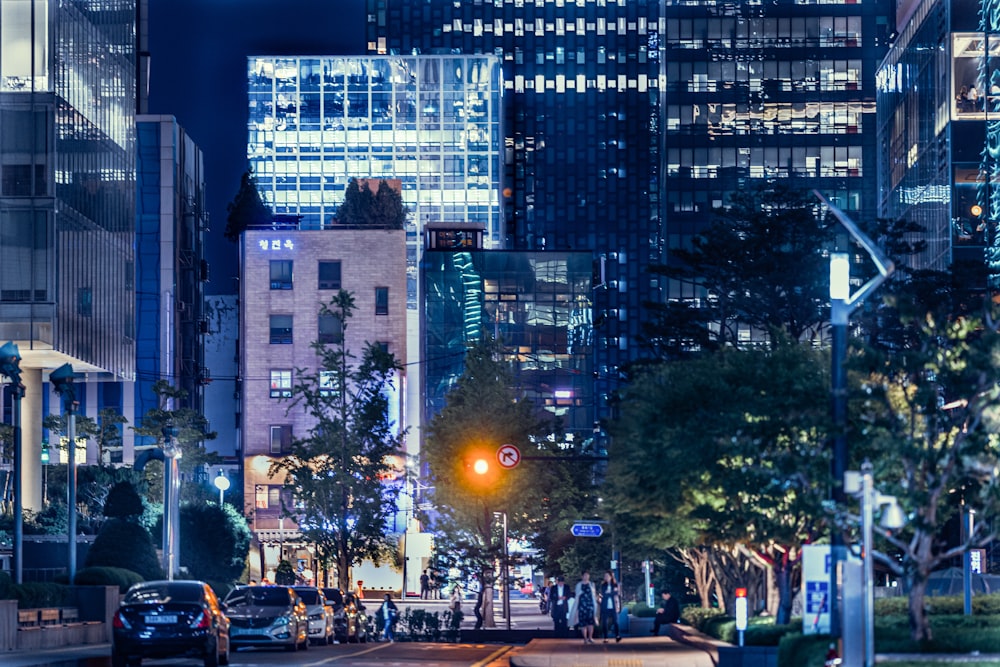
212, 653
224, 656
117, 659
291, 648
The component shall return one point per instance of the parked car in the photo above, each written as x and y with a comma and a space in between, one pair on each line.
357, 619
267, 616
320, 613
336, 600
167, 619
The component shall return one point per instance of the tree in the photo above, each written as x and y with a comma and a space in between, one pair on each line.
247, 210
761, 263
928, 408
192, 431
754, 471
383, 208
217, 541
335, 474
482, 413
125, 544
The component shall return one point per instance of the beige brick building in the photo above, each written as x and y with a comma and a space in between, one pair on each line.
287, 275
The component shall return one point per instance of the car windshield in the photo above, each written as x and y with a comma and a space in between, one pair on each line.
164, 591
308, 596
260, 596
333, 595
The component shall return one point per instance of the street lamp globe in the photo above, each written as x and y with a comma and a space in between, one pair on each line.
481, 466
222, 484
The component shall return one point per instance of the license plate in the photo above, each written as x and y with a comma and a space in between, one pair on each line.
161, 619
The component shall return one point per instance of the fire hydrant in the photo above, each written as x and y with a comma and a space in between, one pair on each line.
832, 657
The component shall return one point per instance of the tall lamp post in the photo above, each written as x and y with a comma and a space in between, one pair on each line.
62, 380
222, 484
10, 365
892, 519
842, 304
171, 504
505, 568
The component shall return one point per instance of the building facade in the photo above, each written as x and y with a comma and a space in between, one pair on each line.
67, 193
582, 136
537, 304
939, 129
170, 266
287, 275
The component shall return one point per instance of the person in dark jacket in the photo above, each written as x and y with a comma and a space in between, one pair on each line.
560, 596
668, 612
387, 615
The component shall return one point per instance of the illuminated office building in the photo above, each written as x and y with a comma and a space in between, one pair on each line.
432, 122
628, 122
538, 304
581, 136
939, 130
67, 193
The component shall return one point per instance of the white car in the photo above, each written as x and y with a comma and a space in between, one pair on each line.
320, 613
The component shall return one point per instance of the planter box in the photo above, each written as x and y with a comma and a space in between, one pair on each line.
748, 656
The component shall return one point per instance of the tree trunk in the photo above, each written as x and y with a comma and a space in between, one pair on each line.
696, 560
487, 610
920, 625
782, 571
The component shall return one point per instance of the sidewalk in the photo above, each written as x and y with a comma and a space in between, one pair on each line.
632, 652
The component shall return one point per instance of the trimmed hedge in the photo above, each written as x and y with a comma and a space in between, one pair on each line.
108, 576
950, 604
697, 616
798, 650
33, 594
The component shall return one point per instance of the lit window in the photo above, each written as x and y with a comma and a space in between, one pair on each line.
281, 383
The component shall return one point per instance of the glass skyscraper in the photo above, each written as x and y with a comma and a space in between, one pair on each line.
67, 193
432, 122
939, 130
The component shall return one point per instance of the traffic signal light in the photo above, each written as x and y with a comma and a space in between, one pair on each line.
10, 365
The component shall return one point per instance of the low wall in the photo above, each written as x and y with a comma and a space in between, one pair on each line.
95, 607
748, 656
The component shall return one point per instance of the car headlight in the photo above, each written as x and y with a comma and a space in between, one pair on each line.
282, 620
315, 617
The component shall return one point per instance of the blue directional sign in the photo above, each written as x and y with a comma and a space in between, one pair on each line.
587, 530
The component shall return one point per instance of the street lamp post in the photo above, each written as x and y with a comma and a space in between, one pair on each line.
842, 304
171, 504
62, 380
222, 484
892, 519
10, 365
505, 569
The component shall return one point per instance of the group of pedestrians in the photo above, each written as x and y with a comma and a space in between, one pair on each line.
588, 605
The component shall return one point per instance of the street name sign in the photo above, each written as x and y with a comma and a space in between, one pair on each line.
508, 456
587, 530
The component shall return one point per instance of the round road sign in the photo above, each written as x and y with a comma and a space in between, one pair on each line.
508, 456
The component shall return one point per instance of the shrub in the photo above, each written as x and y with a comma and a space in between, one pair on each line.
284, 574
950, 604
40, 594
215, 542
642, 610
6, 586
126, 545
107, 576
798, 650
696, 616
123, 502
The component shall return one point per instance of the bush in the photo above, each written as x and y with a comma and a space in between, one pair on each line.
950, 604
215, 542
642, 610
6, 586
40, 594
696, 616
107, 576
798, 650
126, 545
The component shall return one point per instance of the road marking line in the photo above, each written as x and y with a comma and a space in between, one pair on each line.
492, 656
334, 658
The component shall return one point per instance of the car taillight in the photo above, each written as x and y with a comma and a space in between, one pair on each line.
203, 622
119, 622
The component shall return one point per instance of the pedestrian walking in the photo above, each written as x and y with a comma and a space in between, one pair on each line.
435, 593
610, 606
387, 614
668, 612
559, 600
478, 610
425, 586
585, 608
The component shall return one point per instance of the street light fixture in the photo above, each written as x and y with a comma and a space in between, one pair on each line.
842, 304
222, 484
62, 381
10, 365
892, 519
171, 499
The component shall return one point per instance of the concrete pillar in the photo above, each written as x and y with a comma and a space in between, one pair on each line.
128, 411
31, 440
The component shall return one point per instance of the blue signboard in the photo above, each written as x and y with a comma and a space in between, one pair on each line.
817, 594
587, 530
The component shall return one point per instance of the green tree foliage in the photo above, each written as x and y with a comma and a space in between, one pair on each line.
754, 466
247, 210
482, 413
127, 545
361, 206
335, 473
926, 409
764, 263
192, 431
216, 541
